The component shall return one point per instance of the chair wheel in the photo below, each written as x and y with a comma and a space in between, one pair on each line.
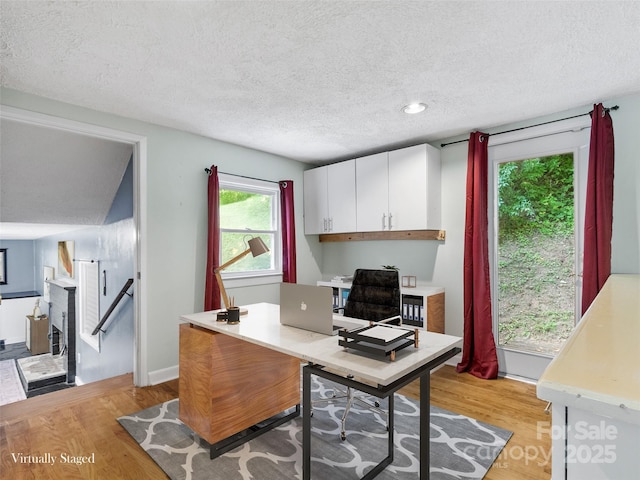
377, 404
311, 413
343, 436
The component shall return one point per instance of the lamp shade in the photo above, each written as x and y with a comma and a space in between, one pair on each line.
257, 246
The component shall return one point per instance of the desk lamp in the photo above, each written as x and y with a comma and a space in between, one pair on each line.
256, 247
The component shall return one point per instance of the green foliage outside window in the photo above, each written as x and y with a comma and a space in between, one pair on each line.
536, 196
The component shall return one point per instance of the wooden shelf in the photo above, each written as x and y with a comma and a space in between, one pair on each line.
385, 235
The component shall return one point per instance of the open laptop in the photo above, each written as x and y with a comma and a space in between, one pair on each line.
310, 308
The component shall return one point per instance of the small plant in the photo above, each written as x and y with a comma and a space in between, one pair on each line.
391, 267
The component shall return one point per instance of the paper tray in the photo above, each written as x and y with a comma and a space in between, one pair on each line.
379, 340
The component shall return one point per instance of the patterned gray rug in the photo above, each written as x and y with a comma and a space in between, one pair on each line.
461, 447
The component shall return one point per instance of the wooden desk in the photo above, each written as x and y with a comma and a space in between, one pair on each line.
382, 378
227, 385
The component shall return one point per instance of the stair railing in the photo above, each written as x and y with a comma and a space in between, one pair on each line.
122, 293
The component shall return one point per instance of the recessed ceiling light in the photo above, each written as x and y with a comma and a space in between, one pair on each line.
414, 108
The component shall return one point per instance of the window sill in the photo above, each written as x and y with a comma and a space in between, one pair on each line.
237, 282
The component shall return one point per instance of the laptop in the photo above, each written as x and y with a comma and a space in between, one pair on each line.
310, 308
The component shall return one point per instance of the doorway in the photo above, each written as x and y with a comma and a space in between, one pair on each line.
138, 145
536, 219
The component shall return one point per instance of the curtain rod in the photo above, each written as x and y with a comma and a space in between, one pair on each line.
208, 170
615, 107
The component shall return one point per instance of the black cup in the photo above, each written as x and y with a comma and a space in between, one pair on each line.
233, 315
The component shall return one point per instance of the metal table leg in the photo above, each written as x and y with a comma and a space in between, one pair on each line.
425, 424
306, 423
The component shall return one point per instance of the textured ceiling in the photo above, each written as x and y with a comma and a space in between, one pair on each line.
322, 80
316, 81
50, 176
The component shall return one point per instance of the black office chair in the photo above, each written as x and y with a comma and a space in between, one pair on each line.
375, 296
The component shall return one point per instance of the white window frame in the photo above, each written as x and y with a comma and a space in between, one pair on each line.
263, 187
89, 302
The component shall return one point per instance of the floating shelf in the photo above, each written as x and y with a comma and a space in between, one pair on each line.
385, 235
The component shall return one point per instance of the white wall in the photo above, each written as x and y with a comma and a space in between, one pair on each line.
177, 216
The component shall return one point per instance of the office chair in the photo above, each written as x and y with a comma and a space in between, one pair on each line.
374, 296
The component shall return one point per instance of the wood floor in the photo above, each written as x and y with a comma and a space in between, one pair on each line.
78, 427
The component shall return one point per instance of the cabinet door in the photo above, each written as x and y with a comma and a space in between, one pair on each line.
341, 187
407, 188
372, 193
315, 201
414, 188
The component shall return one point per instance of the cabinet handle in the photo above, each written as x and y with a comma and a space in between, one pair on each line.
384, 221
390, 217
331, 224
324, 224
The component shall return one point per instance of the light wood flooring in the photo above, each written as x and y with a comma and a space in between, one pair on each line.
80, 424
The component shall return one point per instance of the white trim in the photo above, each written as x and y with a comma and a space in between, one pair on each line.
89, 302
139, 142
163, 375
250, 281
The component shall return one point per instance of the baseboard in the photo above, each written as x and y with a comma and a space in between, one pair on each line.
163, 375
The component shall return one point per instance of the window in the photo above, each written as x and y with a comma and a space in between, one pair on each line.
89, 302
249, 208
537, 218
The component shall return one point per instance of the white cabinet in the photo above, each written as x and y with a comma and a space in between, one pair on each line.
399, 190
330, 198
372, 193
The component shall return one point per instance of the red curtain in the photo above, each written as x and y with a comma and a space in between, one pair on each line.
479, 350
598, 222
288, 232
211, 288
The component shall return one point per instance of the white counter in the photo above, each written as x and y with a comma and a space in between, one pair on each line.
594, 385
598, 368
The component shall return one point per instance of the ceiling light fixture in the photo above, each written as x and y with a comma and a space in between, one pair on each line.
414, 108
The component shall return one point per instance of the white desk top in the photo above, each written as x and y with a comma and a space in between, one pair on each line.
262, 327
598, 368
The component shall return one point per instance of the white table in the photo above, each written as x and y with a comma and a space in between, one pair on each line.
594, 386
378, 377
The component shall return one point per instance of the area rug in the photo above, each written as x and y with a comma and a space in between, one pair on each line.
461, 447
10, 386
